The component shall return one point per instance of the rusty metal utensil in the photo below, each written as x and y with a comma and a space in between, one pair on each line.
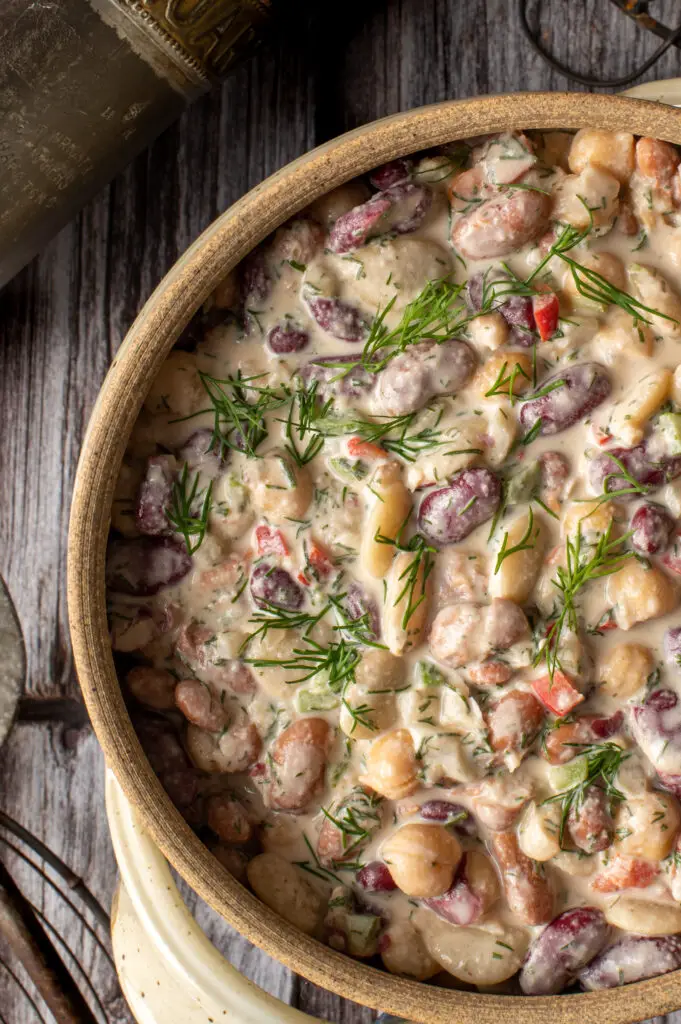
20, 929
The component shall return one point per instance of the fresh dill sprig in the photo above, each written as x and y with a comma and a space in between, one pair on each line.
271, 617
360, 715
182, 512
358, 631
634, 486
239, 407
603, 761
522, 545
337, 662
581, 568
596, 288
310, 413
505, 382
415, 575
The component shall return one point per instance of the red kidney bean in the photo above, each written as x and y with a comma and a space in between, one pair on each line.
502, 224
271, 585
578, 391
168, 759
516, 310
672, 645
154, 687
400, 208
202, 452
555, 470
459, 905
256, 281
656, 726
565, 946
154, 496
449, 514
672, 783
604, 728
452, 814
200, 705
392, 173
356, 382
375, 877
285, 338
337, 318
144, 565
227, 817
589, 822
633, 958
653, 527
646, 467
420, 373
358, 604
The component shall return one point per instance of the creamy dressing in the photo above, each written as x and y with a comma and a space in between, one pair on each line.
449, 723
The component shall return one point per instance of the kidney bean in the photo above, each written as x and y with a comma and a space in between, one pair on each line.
656, 726
202, 452
516, 310
169, 760
555, 470
672, 645
633, 958
273, 586
199, 705
359, 810
625, 873
449, 514
375, 877
400, 208
646, 467
514, 721
581, 389
604, 728
142, 566
285, 338
558, 746
589, 822
152, 686
653, 527
357, 382
228, 819
299, 756
670, 782
473, 891
154, 496
300, 239
256, 281
336, 317
528, 892
502, 224
420, 373
392, 173
452, 814
358, 604
565, 946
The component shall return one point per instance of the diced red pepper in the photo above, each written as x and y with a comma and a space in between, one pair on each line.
319, 560
546, 311
625, 873
557, 694
360, 449
302, 578
270, 541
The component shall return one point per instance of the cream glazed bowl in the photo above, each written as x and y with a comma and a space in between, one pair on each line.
220, 248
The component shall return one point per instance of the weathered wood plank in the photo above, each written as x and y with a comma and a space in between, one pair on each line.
62, 319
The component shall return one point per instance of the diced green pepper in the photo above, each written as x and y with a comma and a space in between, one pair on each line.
317, 698
349, 470
669, 428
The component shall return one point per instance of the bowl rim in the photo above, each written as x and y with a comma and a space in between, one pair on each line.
188, 283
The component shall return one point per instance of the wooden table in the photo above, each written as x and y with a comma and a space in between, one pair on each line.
63, 318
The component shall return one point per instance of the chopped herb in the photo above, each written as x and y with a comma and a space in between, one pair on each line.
182, 512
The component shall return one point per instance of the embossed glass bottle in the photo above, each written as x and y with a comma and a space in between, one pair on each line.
86, 84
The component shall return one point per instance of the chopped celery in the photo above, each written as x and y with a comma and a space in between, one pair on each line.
669, 428
428, 674
362, 934
524, 484
349, 470
316, 698
565, 776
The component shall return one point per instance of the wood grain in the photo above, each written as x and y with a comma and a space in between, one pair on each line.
62, 319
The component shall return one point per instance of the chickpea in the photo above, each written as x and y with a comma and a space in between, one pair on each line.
624, 670
502, 366
422, 859
608, 266
638, 594
403, 952
610, 151
378, 712
538, 832
177, 390
389, 506
655, 291
633, 411
648, 825
489, 332
590, 195
657, 160
284, 889
391, 766
282, 490
518, 572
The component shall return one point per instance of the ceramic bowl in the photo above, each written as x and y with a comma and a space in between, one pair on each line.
149, 340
